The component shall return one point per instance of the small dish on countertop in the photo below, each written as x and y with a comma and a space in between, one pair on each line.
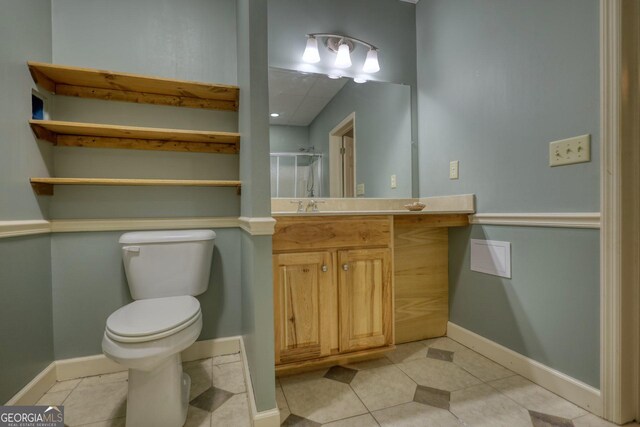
415, 206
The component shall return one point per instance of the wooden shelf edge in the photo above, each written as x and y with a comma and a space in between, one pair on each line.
127, 87
92, 135
44, 186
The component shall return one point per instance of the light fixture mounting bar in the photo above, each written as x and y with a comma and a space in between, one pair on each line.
343, 37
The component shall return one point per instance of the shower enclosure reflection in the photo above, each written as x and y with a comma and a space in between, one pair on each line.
296, 174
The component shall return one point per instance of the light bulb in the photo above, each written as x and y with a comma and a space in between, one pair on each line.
343, 60
359, 80
275, 114
334, 76
371, 64
311, 54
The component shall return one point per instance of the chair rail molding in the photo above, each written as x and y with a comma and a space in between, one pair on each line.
552, 219
24, 228
254, 226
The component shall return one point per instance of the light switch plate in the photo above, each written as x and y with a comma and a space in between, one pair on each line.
394, 181
360, 190
453, 169
570, 151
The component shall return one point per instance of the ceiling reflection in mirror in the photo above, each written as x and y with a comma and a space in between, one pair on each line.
338, 138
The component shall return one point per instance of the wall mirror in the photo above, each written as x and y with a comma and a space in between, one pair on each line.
333, 137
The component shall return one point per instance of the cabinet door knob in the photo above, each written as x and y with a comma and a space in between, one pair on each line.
345, 267
325, 268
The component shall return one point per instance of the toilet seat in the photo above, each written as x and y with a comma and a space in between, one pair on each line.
152, 319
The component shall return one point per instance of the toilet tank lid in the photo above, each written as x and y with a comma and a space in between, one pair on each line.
167, 236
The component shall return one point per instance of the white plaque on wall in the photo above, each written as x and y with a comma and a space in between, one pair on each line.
491, 257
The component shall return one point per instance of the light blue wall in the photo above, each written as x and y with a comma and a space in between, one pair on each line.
257, 281
25, 262
383, 135
497, 81
288, 139
25, 311
191, 40
89, 284
25, 34
549, 310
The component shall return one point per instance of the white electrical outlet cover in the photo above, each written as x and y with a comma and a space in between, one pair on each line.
491, 257
360, 190
453, 169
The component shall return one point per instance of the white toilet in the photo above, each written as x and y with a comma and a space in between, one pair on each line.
165, 269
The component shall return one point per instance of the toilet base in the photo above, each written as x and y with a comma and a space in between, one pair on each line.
158, 398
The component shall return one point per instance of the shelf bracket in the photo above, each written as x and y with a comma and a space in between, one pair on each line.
42, 189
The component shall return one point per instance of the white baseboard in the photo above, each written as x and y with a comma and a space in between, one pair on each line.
268, 418
36, 388
561, 384
99, 364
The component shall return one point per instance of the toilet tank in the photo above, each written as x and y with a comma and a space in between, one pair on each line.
167, 263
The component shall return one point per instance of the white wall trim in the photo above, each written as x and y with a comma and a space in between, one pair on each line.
258, 226
255, 226
124, 224
24, 228
553, 219
99, 364
561, 384
269, 418
36, 388
619, 189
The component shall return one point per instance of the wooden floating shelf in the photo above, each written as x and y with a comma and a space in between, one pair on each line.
72, 134
44, 186
115, 86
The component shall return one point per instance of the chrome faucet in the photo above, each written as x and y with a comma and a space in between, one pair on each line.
312, 206
300, 208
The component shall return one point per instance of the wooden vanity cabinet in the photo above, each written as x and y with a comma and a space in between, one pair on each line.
337, 302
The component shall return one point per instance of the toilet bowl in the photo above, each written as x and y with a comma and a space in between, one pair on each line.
164, 270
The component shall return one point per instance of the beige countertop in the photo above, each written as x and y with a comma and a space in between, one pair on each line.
442, 205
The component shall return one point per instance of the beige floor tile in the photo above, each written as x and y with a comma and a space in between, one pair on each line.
444, 343
483, 406
370, 364
116, 422
321, 399
415, 415
591, 420
282, 405
226, 358
107, 378
229, 377
438, 374
200, 373
196, 417
305, 376
536, 398
55, 398
408, 351
365, 420
383, 387
234, 412
64, 385
95, 402
479, 366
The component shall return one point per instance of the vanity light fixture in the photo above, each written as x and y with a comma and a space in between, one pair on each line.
275, 114
343, 46
311, 54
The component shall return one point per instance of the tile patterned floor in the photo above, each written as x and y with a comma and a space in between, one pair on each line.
436, 382
217, 396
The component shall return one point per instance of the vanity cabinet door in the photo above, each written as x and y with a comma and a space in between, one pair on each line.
366, 300
302, 305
